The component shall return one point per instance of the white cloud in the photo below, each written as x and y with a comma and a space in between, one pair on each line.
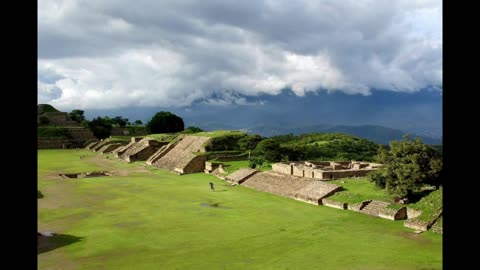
111, 54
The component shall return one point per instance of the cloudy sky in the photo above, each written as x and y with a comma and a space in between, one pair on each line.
144, 53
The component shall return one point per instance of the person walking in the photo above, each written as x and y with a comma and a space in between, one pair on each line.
211, 186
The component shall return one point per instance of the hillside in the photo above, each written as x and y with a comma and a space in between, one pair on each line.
322, 146
375, 133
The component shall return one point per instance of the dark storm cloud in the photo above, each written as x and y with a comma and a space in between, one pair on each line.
172, 53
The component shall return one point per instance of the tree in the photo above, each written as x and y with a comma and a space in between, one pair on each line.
77, 115
101, 127
138, 122
269, 149
255, 161
249, 142
408, 165
165, 122
120, 121
192, 129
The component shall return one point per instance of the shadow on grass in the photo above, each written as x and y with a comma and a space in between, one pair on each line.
417, 195
48, 243
39, 194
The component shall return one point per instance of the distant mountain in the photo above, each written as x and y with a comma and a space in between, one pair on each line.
378, 134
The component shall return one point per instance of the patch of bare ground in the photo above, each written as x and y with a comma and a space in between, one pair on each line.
416, 237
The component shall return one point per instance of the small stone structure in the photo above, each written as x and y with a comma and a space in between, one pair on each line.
179, 156
276, 183
211, 166
240, 175
334, 204
110, 147
315, 191
420, 225
119, 151
141, 150
326, 170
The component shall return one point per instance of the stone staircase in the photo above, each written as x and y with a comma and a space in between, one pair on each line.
374, 208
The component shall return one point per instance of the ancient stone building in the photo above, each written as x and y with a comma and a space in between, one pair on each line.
325, 170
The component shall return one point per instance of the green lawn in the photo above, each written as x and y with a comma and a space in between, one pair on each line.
153, 219
358, 190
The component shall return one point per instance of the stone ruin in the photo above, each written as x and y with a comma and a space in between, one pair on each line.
179, 156
325, 170
240, 175
141, 150
121, 150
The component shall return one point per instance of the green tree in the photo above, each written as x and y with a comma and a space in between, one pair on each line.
120, 121
101, 127
138, 122
165, 122
408, 165
192, 129
255, 161
77, 115
269, 149
249, 142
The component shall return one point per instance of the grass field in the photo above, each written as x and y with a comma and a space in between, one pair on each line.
357, 190
145, 218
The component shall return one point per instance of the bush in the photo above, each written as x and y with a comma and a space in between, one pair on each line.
255, 161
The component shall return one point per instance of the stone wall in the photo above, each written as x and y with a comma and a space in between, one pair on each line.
77, 136
334, 204
194, 165
53, 143
416, 224
324, 170
394, 214
118, 131
412, 213
210, 166
282, 168
298, 170
308, 172
58, 119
